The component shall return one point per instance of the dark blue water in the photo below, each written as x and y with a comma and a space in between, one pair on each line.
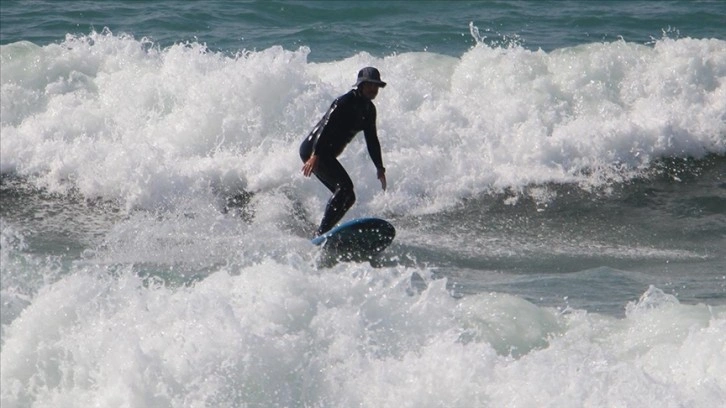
334, 29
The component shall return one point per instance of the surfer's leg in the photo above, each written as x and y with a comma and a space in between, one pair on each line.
336, 179
338, 205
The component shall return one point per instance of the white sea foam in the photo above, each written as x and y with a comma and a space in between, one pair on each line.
243, 318
283, 334
120, 118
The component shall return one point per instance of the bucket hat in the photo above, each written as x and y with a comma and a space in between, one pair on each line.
370, 74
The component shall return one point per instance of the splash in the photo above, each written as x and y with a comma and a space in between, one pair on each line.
118, 118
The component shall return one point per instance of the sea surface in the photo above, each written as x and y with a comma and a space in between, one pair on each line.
556, 175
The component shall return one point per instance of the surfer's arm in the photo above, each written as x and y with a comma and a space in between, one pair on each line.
321, 135
374, 149
322, 131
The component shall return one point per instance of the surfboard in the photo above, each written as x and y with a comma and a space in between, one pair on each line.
358, 238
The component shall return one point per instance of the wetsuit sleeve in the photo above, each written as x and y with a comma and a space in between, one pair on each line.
321, 137
335, 131
371, 135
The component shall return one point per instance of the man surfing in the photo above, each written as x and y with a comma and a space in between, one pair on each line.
346, 117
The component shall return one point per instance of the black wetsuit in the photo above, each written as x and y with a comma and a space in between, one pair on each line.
348, 115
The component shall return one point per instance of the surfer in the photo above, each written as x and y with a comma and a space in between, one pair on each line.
347, 115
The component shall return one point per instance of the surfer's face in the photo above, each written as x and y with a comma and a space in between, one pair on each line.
369, 90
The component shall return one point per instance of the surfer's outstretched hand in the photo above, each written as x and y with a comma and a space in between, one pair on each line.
310, 165
382, 177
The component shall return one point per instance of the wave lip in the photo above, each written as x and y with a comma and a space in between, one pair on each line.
121, 118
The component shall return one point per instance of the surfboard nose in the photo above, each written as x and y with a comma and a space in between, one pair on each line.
362, 235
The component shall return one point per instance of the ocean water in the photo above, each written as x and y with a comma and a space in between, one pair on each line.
557, 179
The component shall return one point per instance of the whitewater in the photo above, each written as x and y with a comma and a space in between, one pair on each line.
559, 213
589, 115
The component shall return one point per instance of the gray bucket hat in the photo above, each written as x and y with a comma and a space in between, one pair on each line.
370, 74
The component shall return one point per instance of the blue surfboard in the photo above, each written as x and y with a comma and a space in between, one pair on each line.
362, 237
